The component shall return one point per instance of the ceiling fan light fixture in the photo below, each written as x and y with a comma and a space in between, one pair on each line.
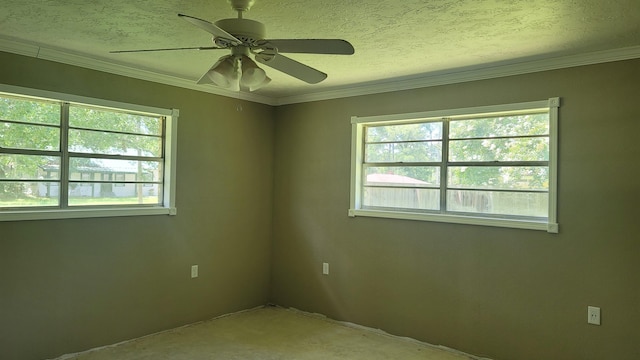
264, 82
252, 75
223, 72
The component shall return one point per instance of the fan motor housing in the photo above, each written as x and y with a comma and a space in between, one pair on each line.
241, 5
246, 30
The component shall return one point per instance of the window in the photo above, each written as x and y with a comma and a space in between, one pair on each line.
493, 165
67, 156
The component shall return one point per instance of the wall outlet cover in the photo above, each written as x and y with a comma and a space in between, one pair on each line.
593, 315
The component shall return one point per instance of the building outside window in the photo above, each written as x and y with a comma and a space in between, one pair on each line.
76, 157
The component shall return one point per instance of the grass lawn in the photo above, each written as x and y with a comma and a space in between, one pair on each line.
79, 201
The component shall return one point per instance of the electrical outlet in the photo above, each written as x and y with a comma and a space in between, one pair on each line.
325, 268
194, 271
593, 315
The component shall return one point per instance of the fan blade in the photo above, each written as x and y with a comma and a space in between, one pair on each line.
292, 67
210, 28
168, 49
312, 46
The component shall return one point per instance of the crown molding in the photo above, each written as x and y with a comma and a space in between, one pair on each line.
445, 77
474, 73
17, 47
84, 61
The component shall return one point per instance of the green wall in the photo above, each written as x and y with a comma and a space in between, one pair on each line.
496, 292
71, 285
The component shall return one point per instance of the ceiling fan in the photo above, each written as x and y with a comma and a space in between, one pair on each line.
244, 37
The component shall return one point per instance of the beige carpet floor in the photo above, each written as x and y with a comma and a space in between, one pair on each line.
270, 333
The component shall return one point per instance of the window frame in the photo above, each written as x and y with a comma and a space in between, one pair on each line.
358, 125
57, 212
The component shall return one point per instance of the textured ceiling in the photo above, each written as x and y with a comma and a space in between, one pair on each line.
393, 39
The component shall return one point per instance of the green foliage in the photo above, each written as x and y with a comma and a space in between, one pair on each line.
411, 152
484, 140
405, 132
29, 111
122, 133
92, 118
407, 143
100, 142
503, 126
27, 124
517, 138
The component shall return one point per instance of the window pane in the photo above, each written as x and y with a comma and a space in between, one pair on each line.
29, 137
91, 194
518, 125
404, 152
407, 176
403, 198
517, 149
91, 118
98, 142
29, 167
29, 111
112, 169
406, 132
35, 193
495, 177
498, 202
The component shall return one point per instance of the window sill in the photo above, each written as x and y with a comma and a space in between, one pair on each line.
458, 219
54, 214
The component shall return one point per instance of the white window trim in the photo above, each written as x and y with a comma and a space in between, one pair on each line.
171, 133
357, 153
